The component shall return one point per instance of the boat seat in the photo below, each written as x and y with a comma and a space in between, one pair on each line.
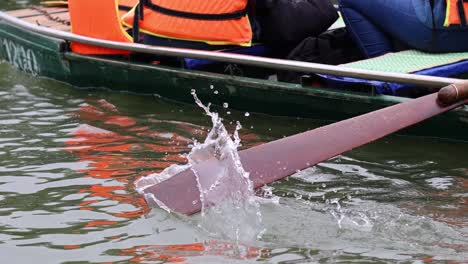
407, 61
97, 19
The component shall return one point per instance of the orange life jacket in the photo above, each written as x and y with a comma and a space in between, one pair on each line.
216, 22
97, 19
456, 13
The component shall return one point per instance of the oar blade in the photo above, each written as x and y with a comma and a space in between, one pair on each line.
180, 193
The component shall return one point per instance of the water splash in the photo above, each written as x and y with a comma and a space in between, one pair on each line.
238, 216
349, 218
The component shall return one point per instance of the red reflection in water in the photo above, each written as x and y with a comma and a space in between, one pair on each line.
71, 247
124, 156
100, 223
180, 253
118, 156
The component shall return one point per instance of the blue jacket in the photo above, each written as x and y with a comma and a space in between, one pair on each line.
418, 24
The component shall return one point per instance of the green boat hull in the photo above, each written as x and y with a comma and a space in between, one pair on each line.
50, 57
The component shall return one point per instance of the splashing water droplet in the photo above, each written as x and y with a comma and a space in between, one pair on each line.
247, 114
236, 214
225, 105
211, 87
215, 92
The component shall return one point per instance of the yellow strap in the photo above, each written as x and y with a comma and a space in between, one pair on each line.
447, 13
55, 3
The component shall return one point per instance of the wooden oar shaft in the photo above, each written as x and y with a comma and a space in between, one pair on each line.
279, 64
300, 151
278, 159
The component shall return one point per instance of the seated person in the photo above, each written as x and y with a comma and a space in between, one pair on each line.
200, 22
425, 25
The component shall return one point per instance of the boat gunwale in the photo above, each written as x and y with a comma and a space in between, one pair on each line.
278, 64
245, 92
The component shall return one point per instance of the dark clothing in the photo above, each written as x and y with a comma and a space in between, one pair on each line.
418, 24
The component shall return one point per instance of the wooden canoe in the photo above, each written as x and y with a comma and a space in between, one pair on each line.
49, 56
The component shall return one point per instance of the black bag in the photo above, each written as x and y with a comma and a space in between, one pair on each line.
331, 47
285, 23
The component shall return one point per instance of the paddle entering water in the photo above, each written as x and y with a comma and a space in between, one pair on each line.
281, 158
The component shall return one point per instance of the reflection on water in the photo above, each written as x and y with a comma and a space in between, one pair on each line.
69, 158
180, 253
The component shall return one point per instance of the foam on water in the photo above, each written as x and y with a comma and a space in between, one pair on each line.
237, 217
